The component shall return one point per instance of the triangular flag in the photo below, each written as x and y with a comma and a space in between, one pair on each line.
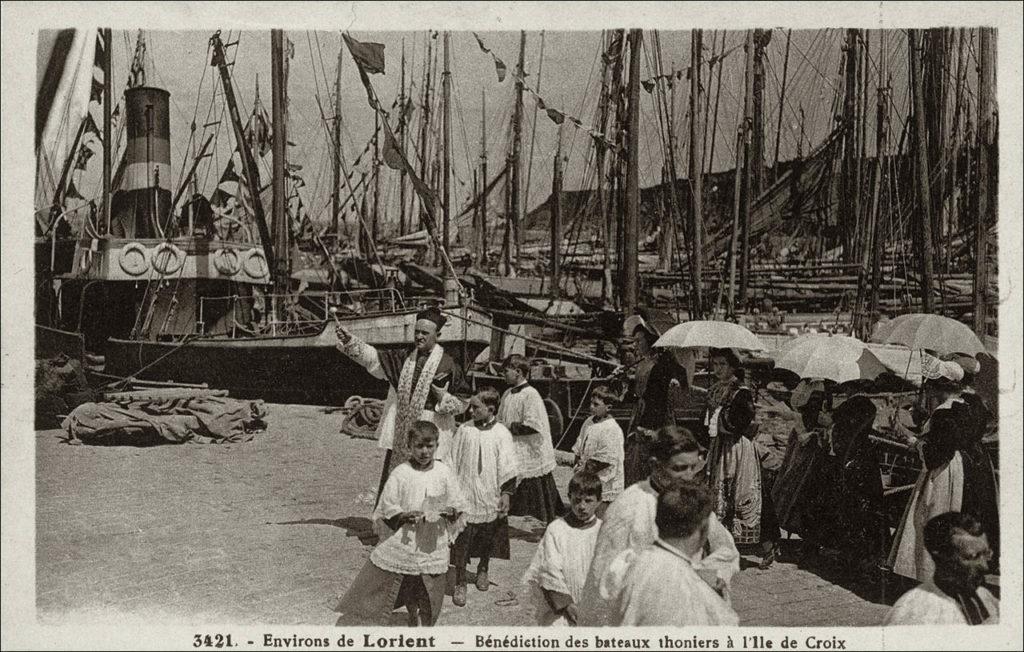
500, 68
392, 153
556, 116
648, 85
72, 191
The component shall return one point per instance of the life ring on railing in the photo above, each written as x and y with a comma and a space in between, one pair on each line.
255, 265
134, 259
227, 262
168, 258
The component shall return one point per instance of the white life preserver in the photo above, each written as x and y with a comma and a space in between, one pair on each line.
168, 258
255, 265
227, 262
134, 259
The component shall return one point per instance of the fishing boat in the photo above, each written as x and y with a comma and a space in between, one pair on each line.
165, 294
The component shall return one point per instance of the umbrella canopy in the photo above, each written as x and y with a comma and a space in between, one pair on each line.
829, 357
710, 334
934, 332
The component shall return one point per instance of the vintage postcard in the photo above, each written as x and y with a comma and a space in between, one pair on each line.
518, 326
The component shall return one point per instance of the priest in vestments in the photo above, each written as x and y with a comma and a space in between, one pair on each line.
421, 387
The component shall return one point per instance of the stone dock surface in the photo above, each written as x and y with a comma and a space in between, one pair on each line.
269, 531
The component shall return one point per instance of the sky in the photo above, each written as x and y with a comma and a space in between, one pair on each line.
568, 77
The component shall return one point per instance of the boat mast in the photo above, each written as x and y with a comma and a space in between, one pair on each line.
425, 124
533, 128
446, 171
921, 169
482, 232
986, 141
755, 166
631, 239
517, 147
849, 206
744, 187
669, 170
695, 174
336, 159
556, 220
606, 229
375, 221
252, 176
279, 140
718, 96
108, 97
782, 104
873, 250
401, 138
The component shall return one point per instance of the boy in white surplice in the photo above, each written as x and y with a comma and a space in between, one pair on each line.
419, 515
484, 460
559, 567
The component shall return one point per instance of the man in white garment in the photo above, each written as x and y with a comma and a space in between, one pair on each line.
629, 524
955, 594
660, 586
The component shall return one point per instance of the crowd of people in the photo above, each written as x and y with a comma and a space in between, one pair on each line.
650, 534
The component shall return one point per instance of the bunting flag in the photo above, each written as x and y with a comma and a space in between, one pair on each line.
499, 65
91, 127
556, 116
227, 187
84, 154
392, 153
72, 191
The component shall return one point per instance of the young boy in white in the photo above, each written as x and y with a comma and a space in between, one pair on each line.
559, 567
522, 411
483, 458
599, 448
418, 517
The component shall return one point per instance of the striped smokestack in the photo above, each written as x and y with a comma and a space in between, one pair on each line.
142, 203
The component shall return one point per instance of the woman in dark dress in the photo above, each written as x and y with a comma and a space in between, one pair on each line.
845, 510
803, 451
657, 374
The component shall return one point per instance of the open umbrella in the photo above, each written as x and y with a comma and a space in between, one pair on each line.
829, 357
710, 334
934, 332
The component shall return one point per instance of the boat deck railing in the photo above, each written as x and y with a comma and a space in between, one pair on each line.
290, 314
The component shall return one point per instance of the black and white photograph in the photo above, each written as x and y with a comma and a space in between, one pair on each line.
541, 324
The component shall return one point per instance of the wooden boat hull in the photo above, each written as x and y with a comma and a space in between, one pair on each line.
285, 369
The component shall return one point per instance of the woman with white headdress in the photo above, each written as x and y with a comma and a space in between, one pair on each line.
957, 476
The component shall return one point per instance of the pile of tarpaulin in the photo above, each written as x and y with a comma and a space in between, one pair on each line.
134, 421
60, 386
